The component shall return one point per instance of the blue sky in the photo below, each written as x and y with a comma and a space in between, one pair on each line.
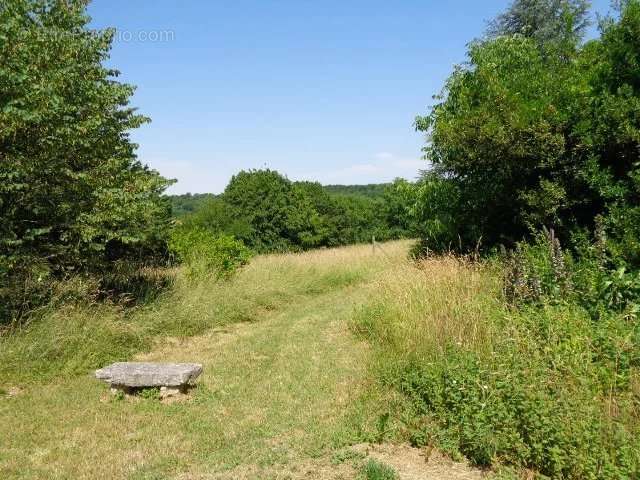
324, 91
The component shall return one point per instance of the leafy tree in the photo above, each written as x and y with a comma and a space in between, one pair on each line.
266, 200
546, 21
399, 202
374, 190
216, 215
526, 139
436, 212
270, 213
73, 196
499, 134
182, 205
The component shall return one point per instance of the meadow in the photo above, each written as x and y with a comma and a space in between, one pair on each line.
309, 354
283, 376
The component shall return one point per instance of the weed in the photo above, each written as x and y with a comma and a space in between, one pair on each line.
152, 393
347, 455
382, 426
374, 470
543, 386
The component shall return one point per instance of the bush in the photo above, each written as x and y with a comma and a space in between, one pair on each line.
374, 470
544, 387
542, 399
74, 198
204, 253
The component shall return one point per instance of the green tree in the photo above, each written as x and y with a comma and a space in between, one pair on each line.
526, 139
546, 21
399, 203
73, 196
275, 214
500, 135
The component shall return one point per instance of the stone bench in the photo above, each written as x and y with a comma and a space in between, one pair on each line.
171, 378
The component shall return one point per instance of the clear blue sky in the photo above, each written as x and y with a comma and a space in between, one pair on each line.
323, 91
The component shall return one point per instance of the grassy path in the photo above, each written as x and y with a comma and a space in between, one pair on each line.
284, 393
276, 391
281, 387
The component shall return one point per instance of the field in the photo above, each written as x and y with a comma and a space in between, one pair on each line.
285, 390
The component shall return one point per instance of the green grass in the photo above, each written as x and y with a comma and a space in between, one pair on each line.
436, 360
284, 379
374, 470
72, 339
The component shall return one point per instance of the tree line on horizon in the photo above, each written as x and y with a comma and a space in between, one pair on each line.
270, 213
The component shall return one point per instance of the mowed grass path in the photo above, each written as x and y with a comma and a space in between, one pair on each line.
279, 389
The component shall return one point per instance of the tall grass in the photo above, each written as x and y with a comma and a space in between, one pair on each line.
74, 335
541, 388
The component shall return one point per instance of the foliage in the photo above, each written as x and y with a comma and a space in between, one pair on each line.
73, 196
182, 205
374, 470
374, 190
534, 145
546, 21
270, 213
530, 138
399, 199
543, 387
542, 272
435, 209
204, 253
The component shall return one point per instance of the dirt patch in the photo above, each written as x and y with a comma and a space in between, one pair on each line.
11, 392
419, 464
410, 464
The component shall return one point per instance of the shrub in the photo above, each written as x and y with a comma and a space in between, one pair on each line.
73, 195
374, 470
542, 399
595, 277
205, 253
542, 387
538, 270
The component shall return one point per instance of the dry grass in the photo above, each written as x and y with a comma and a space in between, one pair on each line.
283, 379
421, 307
72, 339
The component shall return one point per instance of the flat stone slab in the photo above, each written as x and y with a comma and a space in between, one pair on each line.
141, 375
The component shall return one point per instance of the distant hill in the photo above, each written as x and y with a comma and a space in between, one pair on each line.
373, 190
188, 203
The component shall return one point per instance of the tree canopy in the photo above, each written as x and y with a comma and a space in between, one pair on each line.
543, 20
268, 212
73, 196
524, 139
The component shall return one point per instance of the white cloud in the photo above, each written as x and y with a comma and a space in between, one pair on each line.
202, 177
191, 177
384, 167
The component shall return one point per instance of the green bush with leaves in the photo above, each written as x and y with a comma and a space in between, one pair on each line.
546, 387
204, 253
538, 130
541, 399
73, 196
270, 213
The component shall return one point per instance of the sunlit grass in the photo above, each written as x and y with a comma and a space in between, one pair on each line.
283, 377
